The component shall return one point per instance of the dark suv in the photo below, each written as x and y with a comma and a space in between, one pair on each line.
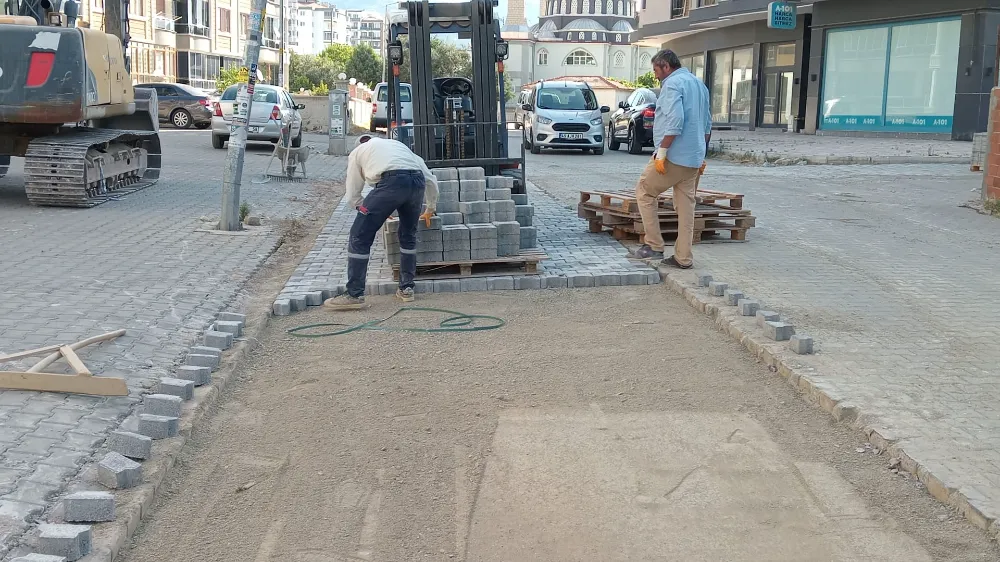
632, 124
182, 105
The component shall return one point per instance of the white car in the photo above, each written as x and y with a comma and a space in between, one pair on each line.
380, 105
563, 115
272, 106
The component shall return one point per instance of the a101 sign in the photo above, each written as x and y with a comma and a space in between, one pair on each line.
781, 15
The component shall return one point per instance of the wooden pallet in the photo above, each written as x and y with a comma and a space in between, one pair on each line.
526, 263
627, 203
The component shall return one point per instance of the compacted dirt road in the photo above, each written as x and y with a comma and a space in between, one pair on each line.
597, 425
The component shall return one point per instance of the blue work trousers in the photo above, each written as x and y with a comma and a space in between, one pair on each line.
398, 190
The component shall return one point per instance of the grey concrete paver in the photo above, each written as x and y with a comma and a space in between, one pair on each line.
143, 263
895, 281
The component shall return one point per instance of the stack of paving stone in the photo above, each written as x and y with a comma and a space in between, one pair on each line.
478, 219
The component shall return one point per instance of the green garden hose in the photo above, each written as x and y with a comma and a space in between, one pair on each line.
457, 322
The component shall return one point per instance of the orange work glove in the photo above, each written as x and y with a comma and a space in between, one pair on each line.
704, 165
426, 217
660, 160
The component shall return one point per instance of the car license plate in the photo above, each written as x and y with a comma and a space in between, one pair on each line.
255, 129
571, 136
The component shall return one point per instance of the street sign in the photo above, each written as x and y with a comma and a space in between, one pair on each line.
244, 74
781, 15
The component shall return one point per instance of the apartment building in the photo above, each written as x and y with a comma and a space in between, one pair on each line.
848, 67
367, 27
318, 26
190, 41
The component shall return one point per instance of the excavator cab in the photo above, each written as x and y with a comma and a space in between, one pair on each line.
457, 121
68, 107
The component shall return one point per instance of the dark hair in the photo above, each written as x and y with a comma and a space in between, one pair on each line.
668, 58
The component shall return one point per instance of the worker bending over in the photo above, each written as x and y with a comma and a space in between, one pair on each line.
402, 183
681, 131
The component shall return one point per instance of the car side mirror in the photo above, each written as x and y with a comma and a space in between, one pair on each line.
526, 106
300, 106
622, 105
605, 109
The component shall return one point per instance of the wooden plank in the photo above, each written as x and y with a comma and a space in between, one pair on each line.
71, 384
74, 361
30, 353
50, 359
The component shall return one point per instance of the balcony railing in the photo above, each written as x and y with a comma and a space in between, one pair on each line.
192, 29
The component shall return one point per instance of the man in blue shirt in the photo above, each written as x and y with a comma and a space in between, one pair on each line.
681, 131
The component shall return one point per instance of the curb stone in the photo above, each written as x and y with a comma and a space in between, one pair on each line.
132, 505
810, 383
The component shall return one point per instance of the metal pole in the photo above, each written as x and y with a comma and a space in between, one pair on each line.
281, 48
232, 175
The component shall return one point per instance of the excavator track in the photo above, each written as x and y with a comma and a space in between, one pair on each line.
83, 167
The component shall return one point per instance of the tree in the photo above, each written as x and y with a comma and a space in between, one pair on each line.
307, 71
227, 77
447, 59
339, 54
364, 65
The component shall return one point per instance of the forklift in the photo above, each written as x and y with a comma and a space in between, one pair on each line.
457, 122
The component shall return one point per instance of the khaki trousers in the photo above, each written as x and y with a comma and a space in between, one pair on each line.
684, 182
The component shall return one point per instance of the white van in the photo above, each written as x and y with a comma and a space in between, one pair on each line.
563, 115
380, 105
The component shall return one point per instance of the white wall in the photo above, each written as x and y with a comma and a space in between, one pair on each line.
523, 67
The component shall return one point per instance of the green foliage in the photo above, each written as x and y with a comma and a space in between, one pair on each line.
508, 88
244, 211
447, 59
339, 55
647, 80
992, 206
364, 65
227, 77
308, 71
321, 89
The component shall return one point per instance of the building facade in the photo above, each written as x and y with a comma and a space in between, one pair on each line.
575, 38
190, 41
366, 27
317, 27
849, 67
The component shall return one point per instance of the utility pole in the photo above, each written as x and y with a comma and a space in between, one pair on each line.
281, 47
233, 174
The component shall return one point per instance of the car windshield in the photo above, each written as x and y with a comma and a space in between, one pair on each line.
572, 99
404, 94
260, 94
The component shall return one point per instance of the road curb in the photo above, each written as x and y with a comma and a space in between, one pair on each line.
135, 504
778, 159
809, 381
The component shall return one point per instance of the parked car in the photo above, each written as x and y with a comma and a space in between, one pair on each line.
272, 106
380, 105
632, 123
563, 115
182, 105
522, 98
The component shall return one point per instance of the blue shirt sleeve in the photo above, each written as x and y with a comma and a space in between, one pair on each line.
707, 108
671, 109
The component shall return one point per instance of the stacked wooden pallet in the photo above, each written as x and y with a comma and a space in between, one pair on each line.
618, 212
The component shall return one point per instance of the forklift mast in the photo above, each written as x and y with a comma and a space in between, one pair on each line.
486, 134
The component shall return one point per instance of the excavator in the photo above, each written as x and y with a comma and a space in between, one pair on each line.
67, 105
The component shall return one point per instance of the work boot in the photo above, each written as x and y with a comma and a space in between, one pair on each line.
645, 253
345, 302
405, 295
672, 262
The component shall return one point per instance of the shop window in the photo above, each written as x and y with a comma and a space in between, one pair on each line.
779, 55
722, 67
731, 85
896, 77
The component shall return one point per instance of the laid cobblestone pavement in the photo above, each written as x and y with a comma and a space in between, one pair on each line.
143, 263
576, 258
895, 281
788, 148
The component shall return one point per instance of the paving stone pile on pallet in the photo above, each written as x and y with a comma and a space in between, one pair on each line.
478, 218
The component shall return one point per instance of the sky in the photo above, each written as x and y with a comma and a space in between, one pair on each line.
530, 8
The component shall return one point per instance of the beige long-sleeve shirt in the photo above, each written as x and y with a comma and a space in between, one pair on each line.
368, 161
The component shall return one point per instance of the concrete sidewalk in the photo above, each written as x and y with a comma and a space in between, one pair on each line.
783, 148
